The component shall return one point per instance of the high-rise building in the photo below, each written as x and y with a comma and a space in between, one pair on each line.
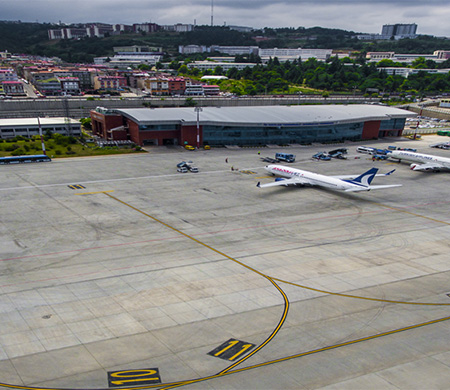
404, 30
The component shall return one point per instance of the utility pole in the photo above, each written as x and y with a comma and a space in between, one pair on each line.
67, 116
197, 110
42, 137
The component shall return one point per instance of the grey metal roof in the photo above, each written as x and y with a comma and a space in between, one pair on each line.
55, 121
265, 115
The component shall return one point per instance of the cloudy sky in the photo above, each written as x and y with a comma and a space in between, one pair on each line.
366, 16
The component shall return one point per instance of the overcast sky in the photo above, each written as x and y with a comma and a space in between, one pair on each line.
366, 16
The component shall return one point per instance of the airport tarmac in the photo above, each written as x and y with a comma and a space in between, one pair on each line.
117, 271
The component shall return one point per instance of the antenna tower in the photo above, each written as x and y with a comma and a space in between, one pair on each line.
212, 13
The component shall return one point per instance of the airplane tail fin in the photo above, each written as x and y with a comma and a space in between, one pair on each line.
389, 173
366, 178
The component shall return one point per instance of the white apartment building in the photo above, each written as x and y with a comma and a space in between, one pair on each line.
204, 65
294, 54
8, 75
405, 72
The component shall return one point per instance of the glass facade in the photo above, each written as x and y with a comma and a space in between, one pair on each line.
393, 124
157, 127
282, 134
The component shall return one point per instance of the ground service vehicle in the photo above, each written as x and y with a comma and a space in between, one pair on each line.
339, 150
24, 159
365, 149
189, 147
322, 156
191, 167
287, 157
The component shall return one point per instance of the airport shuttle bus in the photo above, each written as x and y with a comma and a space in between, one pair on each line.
24, 159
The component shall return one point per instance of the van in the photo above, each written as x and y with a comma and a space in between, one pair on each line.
365, 149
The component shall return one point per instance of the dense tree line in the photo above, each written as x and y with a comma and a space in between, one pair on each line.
342, 76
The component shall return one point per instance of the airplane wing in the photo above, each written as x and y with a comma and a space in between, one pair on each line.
351, 177
431, 166
285, 182
377, 187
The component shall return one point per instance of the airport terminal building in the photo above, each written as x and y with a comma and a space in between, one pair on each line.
249, 126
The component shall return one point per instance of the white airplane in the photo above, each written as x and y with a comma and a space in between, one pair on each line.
427, 162
348, 183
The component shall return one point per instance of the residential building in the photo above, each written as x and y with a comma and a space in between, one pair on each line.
294, 54
399, 30
179, 27
204, 65
12, 88
211, 90
405, 72
145, 27
109, 83
8, 74
191, 49
438, 56
69, 86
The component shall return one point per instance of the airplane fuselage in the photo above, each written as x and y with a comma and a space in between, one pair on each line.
311, 178
420, 158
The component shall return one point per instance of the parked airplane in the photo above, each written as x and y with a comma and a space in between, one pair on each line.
427, 162
348, 183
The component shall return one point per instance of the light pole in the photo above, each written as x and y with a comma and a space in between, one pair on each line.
198, 110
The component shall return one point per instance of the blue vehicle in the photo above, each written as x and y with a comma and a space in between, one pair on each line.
379, 157
24, 159
322, 156
286, 157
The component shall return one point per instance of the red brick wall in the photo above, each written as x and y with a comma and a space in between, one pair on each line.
101, 123
371, 129
189, 134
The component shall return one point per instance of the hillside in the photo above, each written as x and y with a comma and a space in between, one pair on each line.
32, 38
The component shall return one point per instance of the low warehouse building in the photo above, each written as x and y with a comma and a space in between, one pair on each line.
246, 126
28, 127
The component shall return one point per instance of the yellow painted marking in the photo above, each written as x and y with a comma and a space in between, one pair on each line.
359, 297
263, 177
98, 192
132, 373
271, 280
244, 348
125, 381
230, 370
230, 344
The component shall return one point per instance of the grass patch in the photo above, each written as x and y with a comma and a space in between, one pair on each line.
59, 148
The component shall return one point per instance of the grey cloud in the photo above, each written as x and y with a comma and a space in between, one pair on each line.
355, 15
